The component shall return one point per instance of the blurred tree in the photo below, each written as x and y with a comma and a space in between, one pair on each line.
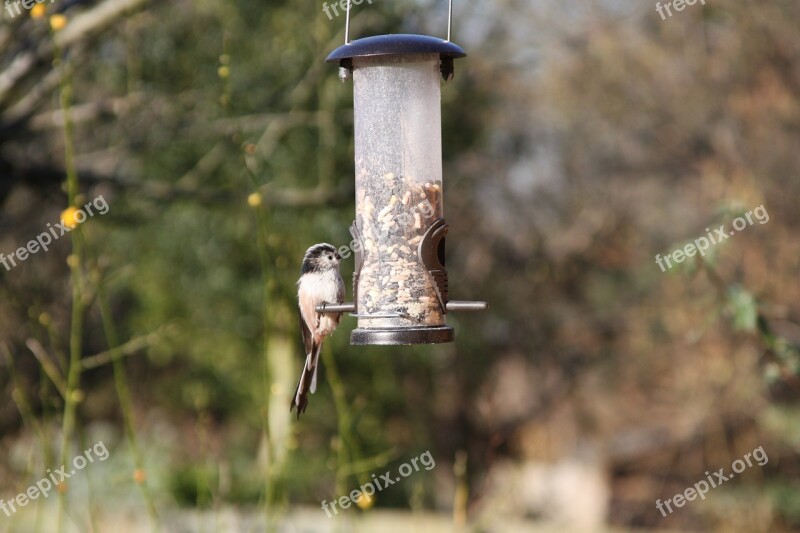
580, 140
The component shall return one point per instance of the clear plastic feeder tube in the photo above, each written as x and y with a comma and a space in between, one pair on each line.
398, 156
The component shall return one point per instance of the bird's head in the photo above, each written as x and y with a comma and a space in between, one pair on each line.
320, 258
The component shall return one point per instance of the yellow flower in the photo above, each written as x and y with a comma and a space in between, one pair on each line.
254, 200
223, 72
139, 476
68, 217
365, 501
57, 22
38, 11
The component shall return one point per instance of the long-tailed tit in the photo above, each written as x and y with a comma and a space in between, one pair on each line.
320, 281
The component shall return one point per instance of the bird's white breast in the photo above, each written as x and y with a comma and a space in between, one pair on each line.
320, 286
313, 289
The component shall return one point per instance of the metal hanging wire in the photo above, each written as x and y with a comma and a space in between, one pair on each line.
449, 22
347, 25
449, 18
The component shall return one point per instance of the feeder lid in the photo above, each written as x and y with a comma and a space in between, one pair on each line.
396, 44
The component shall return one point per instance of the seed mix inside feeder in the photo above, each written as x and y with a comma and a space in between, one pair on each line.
400, 287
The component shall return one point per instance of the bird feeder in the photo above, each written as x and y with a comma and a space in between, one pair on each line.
400, 287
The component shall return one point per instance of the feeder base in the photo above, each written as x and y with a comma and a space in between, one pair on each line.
402, 336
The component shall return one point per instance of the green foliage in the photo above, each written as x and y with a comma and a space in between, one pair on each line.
573, 154
743, 309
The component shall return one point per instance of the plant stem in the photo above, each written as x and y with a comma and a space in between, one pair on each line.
126, 405
72, 396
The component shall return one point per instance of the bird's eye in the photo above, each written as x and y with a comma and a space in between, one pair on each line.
330, 258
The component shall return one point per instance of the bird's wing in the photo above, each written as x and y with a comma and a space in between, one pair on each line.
307, 336
340, 293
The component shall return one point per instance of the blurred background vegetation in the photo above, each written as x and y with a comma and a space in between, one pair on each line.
580, 139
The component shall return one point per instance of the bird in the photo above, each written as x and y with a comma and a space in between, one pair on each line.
320, 281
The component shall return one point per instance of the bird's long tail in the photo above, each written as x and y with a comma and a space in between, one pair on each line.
308, 380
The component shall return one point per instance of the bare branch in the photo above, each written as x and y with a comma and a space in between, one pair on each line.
129, 348
83, 25
84, 112
95, 20
48, 366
